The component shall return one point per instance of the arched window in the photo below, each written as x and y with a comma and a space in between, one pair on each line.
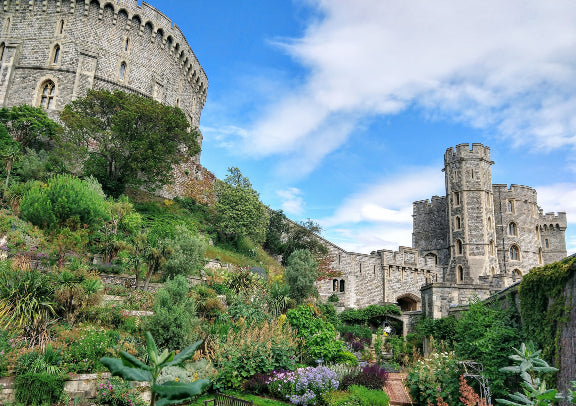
492, 248
514, 253
342, 287
47, 93
457, 198
126, 44
489, 223
122, 72
510, 205
335, 285
512, 230
459, 247
493, 270
460, 273
2, 46
537, 233
516, 274
458, 223
56, 54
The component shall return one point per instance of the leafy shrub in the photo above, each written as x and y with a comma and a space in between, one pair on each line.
116, 392
65, 201
8, 344
359, 396
301, 274
189, 372
254, 349
372, 313
305, 386
333, 298
174, 317
25, 361
318, 335
188, 255
38, 389
371, 376
347, 358
434, 377
83, 350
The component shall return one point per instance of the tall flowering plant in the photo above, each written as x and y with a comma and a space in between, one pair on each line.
305, 386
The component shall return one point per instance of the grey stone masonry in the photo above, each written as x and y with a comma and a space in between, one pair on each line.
478, 239
75, 45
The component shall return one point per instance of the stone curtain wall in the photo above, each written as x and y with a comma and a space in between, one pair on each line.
567, 371
159, 62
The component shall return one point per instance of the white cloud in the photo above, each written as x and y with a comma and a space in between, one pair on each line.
380, 216
292, 201
508, 65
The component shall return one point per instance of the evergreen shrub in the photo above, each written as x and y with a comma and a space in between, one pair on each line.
37, 389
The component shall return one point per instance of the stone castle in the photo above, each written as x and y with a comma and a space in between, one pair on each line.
53, 51
478, 239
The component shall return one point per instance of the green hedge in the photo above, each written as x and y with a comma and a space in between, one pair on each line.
363, 316
38, 389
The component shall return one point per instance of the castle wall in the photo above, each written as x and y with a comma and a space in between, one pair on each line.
94, 39
430, 229
552, 236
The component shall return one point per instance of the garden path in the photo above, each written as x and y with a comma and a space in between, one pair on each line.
396, 390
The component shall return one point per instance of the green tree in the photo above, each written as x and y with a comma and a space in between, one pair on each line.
240, 213
28, 126
188, 255
65, 201
128, 140
174, 316
301, 273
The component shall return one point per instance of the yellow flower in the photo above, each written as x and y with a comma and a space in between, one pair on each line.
176, 379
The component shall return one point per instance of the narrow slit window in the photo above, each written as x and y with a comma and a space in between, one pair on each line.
122, 72
56, 56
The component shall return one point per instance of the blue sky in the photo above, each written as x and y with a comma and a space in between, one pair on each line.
341, 110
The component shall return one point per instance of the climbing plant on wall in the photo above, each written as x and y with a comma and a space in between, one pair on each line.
543, 305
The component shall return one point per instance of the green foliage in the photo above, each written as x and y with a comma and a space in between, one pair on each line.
301, 273
485, 334
359, 396
356, 331
370, 314
38, 388
254, 349
8, 344
543, 305
318, 335
174, 316
65, 201
530, 367
188, 254
442, 330
115, 392
434, 377
240, 213
82, 353
130, 368
137, 139
26, 302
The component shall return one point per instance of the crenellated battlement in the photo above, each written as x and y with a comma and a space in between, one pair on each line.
427, 205
554, 219
147, 18
516, 192
463, 151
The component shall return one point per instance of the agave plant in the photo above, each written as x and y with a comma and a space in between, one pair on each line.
130, 368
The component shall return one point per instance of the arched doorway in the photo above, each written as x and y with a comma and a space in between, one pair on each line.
409, 302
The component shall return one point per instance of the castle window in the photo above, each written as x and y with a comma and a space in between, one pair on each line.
516, 274
537, 233
56, 54
374, 269
472, 173
514, 253
126, 44
512, 230
460, 274
492, 248
457, 198
339, 259
122, 72
47, 94
7, 25
61, 27
493, 271
510, 206
458, 223
360, 267
547, 243
335, 285
342, 285
459, 247
489, 223
2, 52
488, 199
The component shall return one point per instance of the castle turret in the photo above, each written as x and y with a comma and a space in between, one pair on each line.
470, 205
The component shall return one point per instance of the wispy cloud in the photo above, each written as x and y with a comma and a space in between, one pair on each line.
292, 201
505, 65
380, 216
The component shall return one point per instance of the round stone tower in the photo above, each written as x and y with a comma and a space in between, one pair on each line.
471, 222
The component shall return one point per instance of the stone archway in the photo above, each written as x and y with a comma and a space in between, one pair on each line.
409, 302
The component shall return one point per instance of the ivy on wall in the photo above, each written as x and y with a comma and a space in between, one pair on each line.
543, 305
